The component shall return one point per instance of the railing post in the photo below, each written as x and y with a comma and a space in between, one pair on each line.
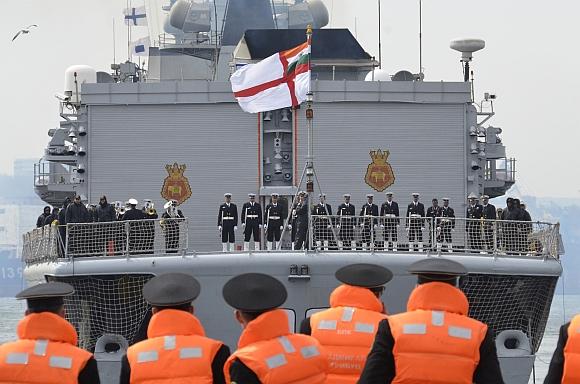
127, 239
372, 245
495, 226
66, 244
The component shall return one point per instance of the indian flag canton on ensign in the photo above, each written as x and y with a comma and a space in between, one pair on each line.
279, 81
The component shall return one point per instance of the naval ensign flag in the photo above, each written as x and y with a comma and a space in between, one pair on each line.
279, 81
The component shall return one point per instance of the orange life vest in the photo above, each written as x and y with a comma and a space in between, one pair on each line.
347, 331
176, 351
277, 356
435, 341
571, 374
45, 352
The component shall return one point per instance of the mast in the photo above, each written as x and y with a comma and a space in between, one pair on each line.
310, 155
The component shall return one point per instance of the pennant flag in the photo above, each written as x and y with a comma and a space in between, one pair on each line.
279, 81
135, 16
141, 47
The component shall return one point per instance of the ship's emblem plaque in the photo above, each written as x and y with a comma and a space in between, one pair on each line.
176, 186
379, 174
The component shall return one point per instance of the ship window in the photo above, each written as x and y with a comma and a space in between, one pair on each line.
291, 319
312, 311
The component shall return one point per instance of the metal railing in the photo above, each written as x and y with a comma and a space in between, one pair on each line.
117, 238
440, 234
44, 175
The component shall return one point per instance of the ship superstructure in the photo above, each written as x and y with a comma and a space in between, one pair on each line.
175, 131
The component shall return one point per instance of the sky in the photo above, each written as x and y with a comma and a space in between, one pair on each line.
529, 62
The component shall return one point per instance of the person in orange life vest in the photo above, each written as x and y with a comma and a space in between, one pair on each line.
564, 366
434, 340
46, 350
268, 352
347, 329
177, 349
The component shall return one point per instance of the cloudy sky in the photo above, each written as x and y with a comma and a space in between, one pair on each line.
530, 62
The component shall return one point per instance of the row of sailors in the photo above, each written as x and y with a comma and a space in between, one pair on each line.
355, 340
274, 218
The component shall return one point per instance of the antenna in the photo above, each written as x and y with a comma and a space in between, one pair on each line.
420, 36
380, 55
114, 47
467, 47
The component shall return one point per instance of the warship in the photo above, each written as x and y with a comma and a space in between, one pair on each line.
171, 129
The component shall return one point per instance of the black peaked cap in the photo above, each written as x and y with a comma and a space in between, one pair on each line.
437, 266
364, 275
171, 289
254, 292
54, 289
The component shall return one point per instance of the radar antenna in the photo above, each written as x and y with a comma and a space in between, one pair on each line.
467, 47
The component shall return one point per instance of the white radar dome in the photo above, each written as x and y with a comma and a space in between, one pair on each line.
74, 77
378, 75
467, 47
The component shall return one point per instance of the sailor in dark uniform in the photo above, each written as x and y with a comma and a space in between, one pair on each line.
274, 222
150, 214
488, 213
134, 215
369, 222
323, 231
228, 222
415, 222
433, 212
172, 217
252, 222
445, 225
390, 222
301, 207
346, 223
473, 226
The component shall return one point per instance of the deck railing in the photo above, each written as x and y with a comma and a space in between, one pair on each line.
118, 238
440, 234
328, 233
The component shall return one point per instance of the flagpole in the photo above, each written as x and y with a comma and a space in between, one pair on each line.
310, 157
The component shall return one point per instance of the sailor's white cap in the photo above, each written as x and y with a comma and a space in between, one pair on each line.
302, 193
445, 199
484, 196
227, 194
370, 195
167, 205
472, 196
274, 194
415, 194
133, 201
389, 193
251, 195
147, 200
346, 195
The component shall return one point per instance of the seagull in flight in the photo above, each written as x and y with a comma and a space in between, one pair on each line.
24, 31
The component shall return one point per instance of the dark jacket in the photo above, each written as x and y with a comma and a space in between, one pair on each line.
225, 211
134, 214
41, 219
249, 210
392, 209
50, 218
556, 369
77, 213
489, 212
105, 213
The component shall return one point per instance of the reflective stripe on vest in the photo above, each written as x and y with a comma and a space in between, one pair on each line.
17, 358
60, 362
40, 347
